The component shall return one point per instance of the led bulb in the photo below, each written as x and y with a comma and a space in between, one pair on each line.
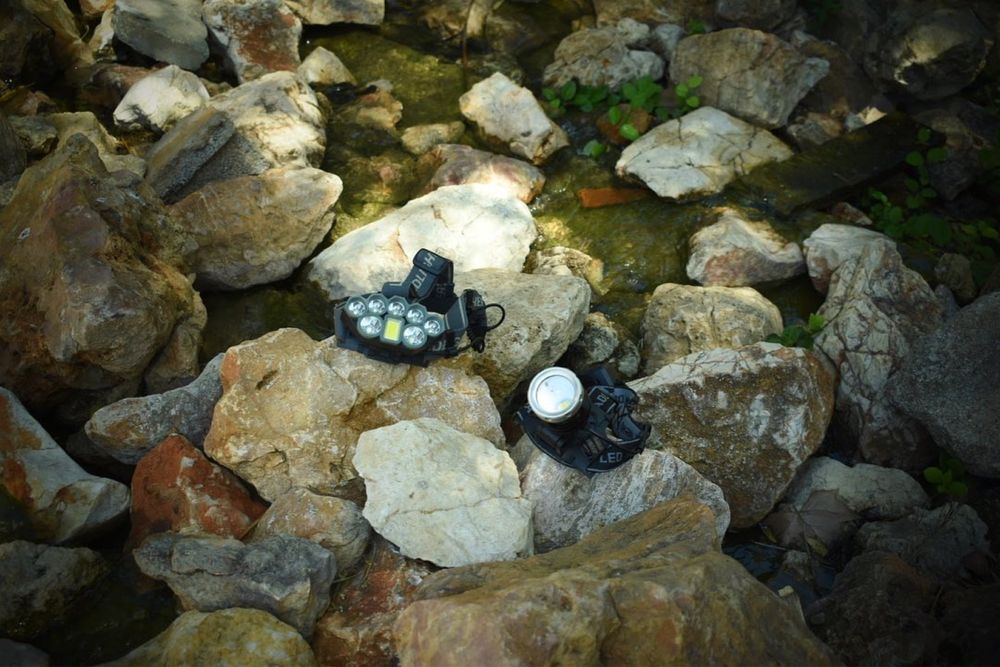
356, 307
377, 304
370, 326
414, 337
416, 314
555, 394
397, 306
434, 325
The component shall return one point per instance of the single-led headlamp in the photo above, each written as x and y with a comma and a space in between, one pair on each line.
584, 422
417, 320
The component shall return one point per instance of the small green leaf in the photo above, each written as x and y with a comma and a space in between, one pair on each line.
988, 232
911, 184
816, 322
933, 475
928, 193
568, 91
923, 135
556, 103
614, 99
956, 489
895, 215
914, 201
549, 94
693, 102
915, 159
940, 231
615, 115
629, 90
594, 148
936, 154
805, 341
629, 132
681, 90
955, 466
694, 81
970, 230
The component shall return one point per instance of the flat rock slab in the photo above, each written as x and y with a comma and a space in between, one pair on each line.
443, 495
178, 155
170, 31
698, 154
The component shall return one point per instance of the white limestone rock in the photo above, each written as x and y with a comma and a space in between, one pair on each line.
871, 491
323, 68
831, 245
443, 495
161, 99
601, 57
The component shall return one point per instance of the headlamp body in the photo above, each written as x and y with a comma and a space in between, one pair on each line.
586, 424
417, 320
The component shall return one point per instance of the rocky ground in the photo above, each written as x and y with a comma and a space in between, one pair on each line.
776, 220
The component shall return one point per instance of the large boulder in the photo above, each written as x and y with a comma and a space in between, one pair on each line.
569, 505
252, 230
870, 491
698, 154
734, 252
746, 419
510, 116
62, 501
245, 637
258, 36
457, 164
622, 595
177, 488
170, 31
947, 383
91, 304
25, 45
475, 226
600, 57
128, 429
161, 99
333, 523
681, 319
113, 152
174, 160
39, 583
544, 315
325, 12
833, 244
292, 409
876, 310
443, 495
289, 577
748, 73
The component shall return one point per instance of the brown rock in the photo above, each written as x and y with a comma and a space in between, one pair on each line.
176, 488
455, 164
652, 589
259, 36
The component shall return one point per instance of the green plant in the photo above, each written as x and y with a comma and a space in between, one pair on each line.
797, 335
919, 185
583, 97
695, 27
594, 149
947, 477
643, 93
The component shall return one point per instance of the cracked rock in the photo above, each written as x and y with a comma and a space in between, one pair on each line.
443, 495
158, 101
456, 164
831, 245
601, 57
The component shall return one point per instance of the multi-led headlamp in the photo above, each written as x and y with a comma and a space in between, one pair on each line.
584, 422
417, 320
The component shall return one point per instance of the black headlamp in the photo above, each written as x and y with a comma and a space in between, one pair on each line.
417, 320
584, 422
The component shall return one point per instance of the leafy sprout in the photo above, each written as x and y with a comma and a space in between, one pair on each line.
947, 477
797, 335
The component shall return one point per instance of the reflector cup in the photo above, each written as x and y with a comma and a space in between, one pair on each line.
377, 304
370, 326
414, 337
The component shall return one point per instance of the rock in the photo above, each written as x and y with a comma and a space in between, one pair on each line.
663, 39
845, 90
948, 384
419, 139
128, 429
682, 319
814, 129
38, 136
832, 245
475, 226
734, 252
160, 100
289, 577
325, 12
39, 583
175, 159
611, 12
955, 272
946, 300
600, 57
92, 9
544, 315
455, 164
967, 619
563, 261
745, 419
698, 154
324, 68
253, 230
568, 505
23, 655
933, 540
611, 598
67, 49
872, 491
602, 342
879, 613
357, 627
246, 637
929, 52
93, 304
170, 31
102, 40
333, 523
968, 130
25, 45
176, 488
62, 501
748, 73
292, 409
113, 153
442, 495
876, 310
258, 36
13, 158
509, 115
766, 15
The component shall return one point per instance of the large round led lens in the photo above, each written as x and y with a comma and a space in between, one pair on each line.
434, 325
416, 314
370, 326
397, 306
414, 337
356, 307
377, 304
555, 394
